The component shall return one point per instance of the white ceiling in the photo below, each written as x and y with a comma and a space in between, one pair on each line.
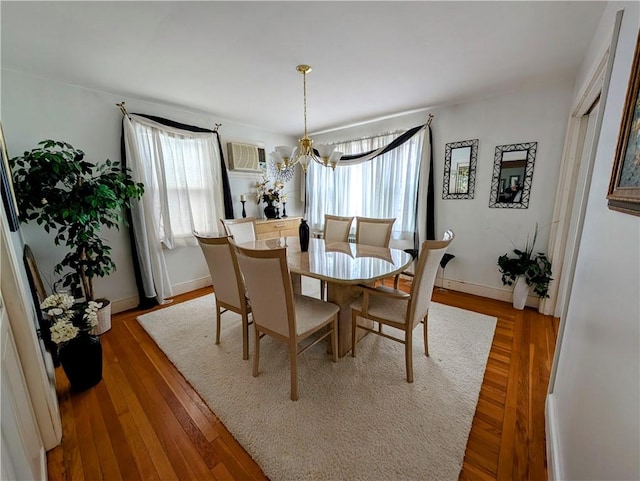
237, 60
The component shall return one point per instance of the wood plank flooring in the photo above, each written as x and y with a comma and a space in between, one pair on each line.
145, 422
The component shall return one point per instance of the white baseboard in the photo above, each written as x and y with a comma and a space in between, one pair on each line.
127, 303
191, 285
122, 305
554, 462
483, 291
43, 464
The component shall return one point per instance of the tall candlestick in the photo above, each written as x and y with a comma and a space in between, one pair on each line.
244, 212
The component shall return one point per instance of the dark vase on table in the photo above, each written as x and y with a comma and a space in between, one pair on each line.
81, 359
303, 231
270, 211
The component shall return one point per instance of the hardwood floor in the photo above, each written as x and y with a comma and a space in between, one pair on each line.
144, 421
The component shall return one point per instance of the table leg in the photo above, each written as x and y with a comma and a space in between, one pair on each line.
296, 283
343, 295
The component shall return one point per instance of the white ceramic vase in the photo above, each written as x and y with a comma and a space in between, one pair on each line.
520, 293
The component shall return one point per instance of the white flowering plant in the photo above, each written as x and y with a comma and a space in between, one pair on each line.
268, 194
69, 318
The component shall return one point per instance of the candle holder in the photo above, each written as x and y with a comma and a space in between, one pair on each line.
284, 210
244, 212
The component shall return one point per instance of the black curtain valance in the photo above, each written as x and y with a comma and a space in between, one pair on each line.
372, 154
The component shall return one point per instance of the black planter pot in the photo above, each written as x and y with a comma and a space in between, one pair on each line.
270, 211
81, 359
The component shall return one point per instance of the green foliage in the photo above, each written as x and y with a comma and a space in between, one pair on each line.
74, 198
535, 268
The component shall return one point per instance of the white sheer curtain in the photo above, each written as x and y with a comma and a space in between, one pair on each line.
183, 193
384, 187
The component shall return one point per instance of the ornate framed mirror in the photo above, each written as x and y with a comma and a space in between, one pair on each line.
512, 175
460, 159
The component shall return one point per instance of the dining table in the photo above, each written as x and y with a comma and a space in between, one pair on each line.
343, 265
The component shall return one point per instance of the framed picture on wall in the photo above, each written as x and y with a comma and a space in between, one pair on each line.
624, 186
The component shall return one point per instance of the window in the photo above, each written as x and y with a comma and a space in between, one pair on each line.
182, 176
384, 187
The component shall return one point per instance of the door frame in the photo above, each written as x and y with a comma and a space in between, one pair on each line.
595, 89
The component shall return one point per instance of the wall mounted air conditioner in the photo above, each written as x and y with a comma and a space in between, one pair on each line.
245, 157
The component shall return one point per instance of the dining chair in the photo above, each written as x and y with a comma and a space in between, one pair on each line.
278, 313
410, 271
336, 229
401, 310
228, 284
242, 230
373, 232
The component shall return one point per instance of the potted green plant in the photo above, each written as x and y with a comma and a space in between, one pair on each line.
524, 270
66, 194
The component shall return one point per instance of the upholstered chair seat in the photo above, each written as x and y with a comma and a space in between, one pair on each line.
391, 308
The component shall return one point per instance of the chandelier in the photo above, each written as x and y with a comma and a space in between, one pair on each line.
285, 157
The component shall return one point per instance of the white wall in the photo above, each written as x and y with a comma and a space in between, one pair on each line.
533, 114
34, 109
594, 409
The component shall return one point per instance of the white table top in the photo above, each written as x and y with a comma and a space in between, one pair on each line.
339, 262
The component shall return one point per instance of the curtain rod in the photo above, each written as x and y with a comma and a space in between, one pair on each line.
373, 136
126, 114
123, 109
381, 134
217, 126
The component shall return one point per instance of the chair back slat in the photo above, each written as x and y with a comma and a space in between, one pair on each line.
242, 230
336, 228
431, 253
225, 275
373, 232
268, 282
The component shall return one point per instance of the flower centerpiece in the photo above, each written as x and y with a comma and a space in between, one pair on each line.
526, 268
269, 195
71, 326
68, 318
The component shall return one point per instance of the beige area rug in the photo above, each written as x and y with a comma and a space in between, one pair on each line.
357, 419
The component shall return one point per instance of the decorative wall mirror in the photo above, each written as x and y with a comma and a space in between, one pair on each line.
512, 175
460, 159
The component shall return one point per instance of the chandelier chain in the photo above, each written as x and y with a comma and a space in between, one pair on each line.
304, 93
285, 157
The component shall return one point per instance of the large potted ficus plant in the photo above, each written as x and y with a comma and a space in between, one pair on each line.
74, 198
526, 269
